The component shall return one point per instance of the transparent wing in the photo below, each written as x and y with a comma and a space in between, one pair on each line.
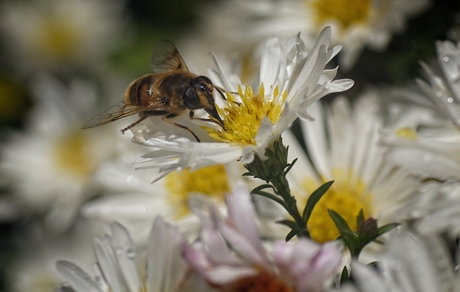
166, 57
114, 112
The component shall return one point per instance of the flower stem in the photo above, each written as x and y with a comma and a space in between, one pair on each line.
273, 170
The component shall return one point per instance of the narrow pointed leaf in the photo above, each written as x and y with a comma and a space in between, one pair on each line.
271, 197
262, 187
360, 219
313, 199
291, 234
288, 223
344, 276
387, 228
290, 166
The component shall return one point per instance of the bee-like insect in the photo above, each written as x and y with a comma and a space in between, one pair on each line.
168, 92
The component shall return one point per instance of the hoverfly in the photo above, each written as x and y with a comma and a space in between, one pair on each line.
168, 92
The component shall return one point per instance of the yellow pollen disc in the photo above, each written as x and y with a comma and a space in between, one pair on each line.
210, 181
58, 39
72, 155
407, 133
347, 196
346, 12
242, 118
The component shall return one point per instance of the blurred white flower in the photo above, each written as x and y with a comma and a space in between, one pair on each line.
238, 26
53, 34
134, 201
411, 263
33, 266
231, 256
290, 80
436, 210
118, 266
421, 139
342, 147
49, 166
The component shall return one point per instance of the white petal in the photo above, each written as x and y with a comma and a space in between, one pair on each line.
367, 279
165, 264
424, 162
270, 63
125, 252
108, 263
76, 277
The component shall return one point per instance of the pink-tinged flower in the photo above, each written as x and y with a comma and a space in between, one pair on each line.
232, 257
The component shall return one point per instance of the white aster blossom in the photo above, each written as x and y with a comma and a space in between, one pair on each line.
33, 267
49, 165
120, 267
411, 263
436, 209
290, 80
53, 34
131, 198
422, 140
342, 144
356, 24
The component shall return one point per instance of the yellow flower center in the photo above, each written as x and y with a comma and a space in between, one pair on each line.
72, 155
58, 39
347, 196
407, 133
346, 12
242, 119
210, 181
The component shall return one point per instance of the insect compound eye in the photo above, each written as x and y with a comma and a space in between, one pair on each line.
191, 99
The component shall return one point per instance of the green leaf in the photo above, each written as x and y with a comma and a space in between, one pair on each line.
313, 199
262, 187
387, 228
291, 234
290, 166
348, 236
271, 197
344, 276
360, 219
288, 223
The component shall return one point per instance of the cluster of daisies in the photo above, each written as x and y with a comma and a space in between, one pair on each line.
364, 196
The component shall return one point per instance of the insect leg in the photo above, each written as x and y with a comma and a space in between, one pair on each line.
167, 118
221, 93
192, 117
142, 116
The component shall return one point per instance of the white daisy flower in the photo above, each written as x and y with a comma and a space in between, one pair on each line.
33, 266
231, 255
411, 263
134, 201
53, 33
429, 144
436, 210
290, 80
119, 268
342, 147
356, 24
49, 165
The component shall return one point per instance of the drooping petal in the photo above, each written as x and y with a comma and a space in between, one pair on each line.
76, 277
